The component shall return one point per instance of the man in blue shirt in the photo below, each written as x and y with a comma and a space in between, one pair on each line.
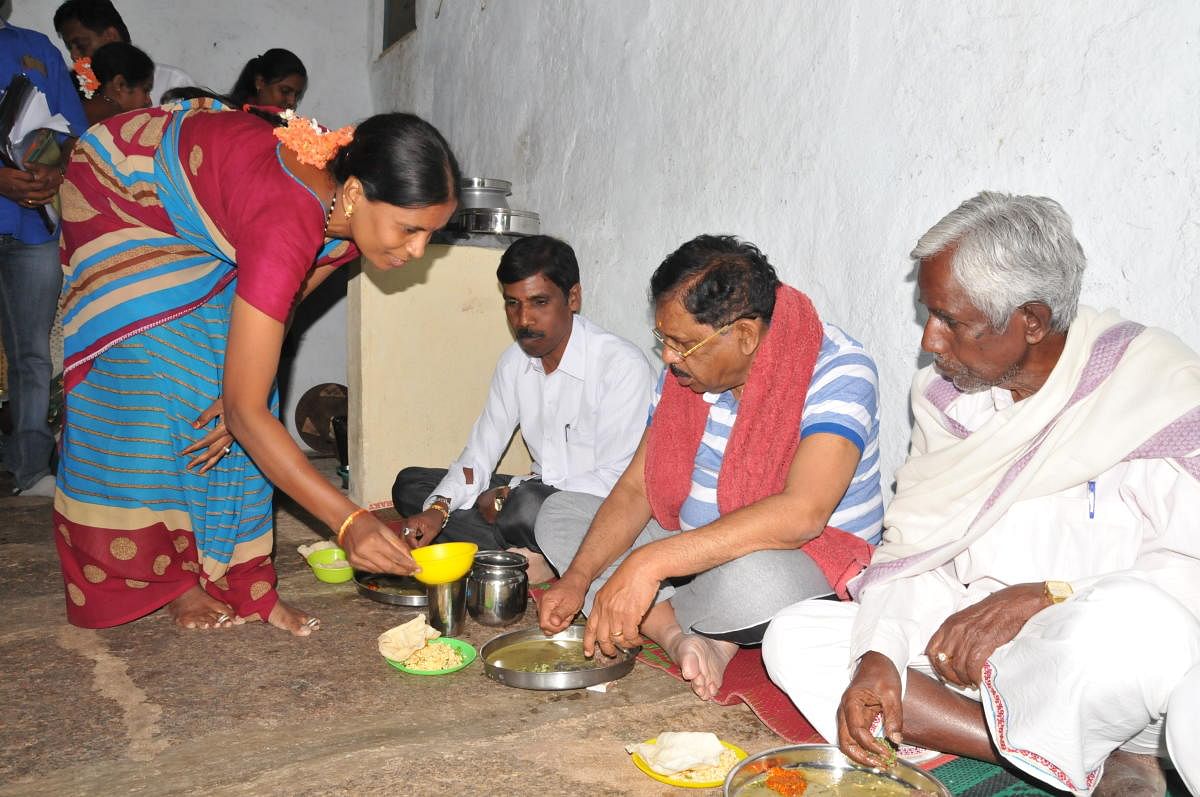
30, 274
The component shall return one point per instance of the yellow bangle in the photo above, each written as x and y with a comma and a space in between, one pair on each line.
348, 522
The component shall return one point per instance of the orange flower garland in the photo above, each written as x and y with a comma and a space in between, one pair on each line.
88, 83
313, 144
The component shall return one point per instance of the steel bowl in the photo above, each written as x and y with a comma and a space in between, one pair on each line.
390, 589
492, 654
824, 760
497, 221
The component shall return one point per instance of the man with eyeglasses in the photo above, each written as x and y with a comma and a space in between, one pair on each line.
578, 394
756, 483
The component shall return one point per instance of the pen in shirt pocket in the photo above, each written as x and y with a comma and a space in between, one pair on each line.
1091, 500
567, 433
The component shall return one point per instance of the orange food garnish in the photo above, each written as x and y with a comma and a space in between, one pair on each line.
787, 782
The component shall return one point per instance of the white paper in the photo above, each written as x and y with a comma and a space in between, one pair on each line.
36, 115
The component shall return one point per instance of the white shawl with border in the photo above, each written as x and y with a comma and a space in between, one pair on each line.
1120, 391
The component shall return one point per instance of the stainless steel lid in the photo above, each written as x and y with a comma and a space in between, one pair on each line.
489, 183
499, 221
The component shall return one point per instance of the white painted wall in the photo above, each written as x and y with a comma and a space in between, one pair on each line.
830, 133
211, 41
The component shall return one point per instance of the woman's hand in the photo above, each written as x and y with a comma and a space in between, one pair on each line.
370, 545
215, 444
874, 690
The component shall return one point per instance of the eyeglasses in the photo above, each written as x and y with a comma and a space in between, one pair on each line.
683, 355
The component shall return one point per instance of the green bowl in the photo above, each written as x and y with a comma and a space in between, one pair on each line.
319, 561
468, 656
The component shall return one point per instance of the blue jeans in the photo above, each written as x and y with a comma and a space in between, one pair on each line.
30, 281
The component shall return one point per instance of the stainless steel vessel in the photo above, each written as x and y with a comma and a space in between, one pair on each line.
569, 641
390, 589
826, 762
448, 606
497, 588
497, 221
484, 192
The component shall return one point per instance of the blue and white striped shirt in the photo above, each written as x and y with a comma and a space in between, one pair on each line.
843, 399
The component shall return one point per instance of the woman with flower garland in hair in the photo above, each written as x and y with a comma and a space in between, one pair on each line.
190, 232
118, 77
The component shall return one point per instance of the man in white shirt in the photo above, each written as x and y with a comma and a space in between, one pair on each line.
1036, 597
578, 393
86, 25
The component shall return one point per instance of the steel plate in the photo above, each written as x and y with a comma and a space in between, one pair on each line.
392, 590
826, 764
566, 641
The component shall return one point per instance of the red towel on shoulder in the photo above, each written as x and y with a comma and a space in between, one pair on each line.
763, 441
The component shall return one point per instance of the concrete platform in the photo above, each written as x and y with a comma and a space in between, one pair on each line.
148, 708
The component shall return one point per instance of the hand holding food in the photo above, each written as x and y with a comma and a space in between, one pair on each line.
561, 603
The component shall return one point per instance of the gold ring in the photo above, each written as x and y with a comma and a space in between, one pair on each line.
616, 634
942, 657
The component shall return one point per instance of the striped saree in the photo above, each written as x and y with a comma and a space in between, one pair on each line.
169, 213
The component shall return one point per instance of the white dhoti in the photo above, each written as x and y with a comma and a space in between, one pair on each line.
1183, 729
1080, 680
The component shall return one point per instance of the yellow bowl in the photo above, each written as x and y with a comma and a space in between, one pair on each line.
444, 562
323, 567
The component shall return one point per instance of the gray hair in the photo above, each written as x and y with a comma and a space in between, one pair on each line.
1010, 250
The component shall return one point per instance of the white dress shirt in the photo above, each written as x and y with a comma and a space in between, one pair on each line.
581, 423
167, 77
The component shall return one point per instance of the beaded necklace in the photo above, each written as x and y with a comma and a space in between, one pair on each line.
329, 218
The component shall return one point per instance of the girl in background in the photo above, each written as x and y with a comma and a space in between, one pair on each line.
275, 79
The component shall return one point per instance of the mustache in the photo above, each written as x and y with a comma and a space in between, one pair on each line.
525, 333
678, 372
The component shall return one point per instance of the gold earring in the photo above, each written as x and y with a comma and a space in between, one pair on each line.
348, 210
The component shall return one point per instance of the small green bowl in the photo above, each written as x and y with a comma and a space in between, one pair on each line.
467, 652
319, 561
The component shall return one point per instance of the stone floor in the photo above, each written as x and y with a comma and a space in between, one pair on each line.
147, 708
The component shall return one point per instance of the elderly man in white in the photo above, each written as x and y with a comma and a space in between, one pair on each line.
1035, 599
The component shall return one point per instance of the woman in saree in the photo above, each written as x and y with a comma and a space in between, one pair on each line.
189, 234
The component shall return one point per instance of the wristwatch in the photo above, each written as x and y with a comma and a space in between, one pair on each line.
1058, 591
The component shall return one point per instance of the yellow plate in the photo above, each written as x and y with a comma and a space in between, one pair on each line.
675, 780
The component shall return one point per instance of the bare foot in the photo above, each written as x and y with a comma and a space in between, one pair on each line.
703, 661
289, 618
1131, 775
539, 570
197, 609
